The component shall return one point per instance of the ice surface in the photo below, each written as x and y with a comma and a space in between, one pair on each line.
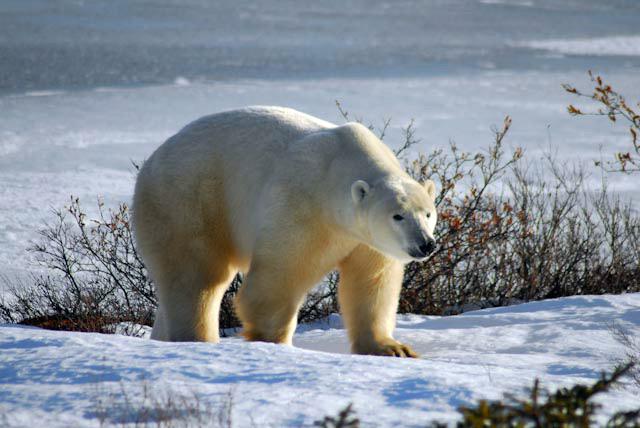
48, 44
604, 46
64, 377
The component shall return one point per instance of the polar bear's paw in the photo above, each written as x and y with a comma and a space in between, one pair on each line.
387, 347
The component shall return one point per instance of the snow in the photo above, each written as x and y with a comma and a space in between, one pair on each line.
67, 378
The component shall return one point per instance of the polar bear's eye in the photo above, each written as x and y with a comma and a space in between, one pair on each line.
428, 215
398, 217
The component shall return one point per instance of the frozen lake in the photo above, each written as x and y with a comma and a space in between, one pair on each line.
86, 87
74, 43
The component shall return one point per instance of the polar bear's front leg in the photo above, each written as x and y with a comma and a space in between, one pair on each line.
369, 291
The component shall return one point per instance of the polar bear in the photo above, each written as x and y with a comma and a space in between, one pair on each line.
284, 198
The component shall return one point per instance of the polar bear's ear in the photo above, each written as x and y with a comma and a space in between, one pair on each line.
430, 187
359, 190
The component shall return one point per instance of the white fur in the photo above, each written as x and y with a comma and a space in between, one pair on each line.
284, 197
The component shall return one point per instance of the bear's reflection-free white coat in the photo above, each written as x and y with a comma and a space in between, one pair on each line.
285, 198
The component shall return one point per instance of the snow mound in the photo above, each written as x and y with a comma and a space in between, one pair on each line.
75, 379
601, 46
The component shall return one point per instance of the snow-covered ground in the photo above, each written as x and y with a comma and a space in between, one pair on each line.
69, 379
53, 145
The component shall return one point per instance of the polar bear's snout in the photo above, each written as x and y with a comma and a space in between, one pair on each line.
423, 246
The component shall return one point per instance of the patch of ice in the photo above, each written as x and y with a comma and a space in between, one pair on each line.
181, 81
10, 142
602, 46
42, 93
521, 3
108, 89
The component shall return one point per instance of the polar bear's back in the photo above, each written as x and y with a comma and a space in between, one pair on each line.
219, 166
253, 137
263, 128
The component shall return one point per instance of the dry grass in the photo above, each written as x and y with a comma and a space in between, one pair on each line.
631, 345
153, 406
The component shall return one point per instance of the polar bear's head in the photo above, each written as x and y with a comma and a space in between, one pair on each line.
397, 216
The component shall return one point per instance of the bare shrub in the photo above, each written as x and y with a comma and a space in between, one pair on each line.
345, 419
632, 351
94, 280
228, 318
543, 233
613, 106
471, 219
574, 407
565, 407
322, 301
511, 231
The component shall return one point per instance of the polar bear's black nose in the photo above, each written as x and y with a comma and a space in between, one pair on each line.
425, 248
428, 246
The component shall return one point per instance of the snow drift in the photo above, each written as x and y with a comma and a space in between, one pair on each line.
75, 379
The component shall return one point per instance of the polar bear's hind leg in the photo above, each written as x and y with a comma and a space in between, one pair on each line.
189, 295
